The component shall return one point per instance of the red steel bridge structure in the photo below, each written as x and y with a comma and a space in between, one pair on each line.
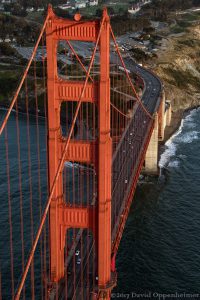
73, 145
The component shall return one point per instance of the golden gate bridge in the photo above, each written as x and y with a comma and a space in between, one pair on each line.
73, 144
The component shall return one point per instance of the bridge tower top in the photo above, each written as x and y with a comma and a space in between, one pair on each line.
73, 30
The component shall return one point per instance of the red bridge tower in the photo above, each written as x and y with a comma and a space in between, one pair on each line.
63, 217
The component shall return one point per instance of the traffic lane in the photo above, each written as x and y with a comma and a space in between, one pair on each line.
151, 95
155, 93
150, 100
126, 168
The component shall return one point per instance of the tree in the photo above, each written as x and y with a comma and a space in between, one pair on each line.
196, 2
111, 11
99, 12
7, 49
18, 10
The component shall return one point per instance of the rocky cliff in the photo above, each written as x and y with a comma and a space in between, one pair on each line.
178, 65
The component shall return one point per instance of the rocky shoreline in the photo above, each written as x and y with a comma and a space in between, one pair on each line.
177, 65
184, 96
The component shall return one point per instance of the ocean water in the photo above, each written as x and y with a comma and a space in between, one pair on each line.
159, 253
31, 188
160, 250
26, 197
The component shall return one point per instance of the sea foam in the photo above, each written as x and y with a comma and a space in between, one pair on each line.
169, 158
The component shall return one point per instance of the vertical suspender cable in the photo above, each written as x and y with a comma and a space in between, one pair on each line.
60, 167
47, 179
38, 169
10, 213
30, 184
20, 193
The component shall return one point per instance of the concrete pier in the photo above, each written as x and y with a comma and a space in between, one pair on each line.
162, 119
151, 160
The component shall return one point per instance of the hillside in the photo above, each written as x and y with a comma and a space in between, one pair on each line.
178, 66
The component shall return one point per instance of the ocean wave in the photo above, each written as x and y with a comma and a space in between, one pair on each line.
191, 125
173, 164
190, 116
71, 165
166, 158
188, 137
167, 154
182, 156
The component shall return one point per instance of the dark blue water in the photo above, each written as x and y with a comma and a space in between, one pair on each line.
160, 249
33, 195
27, 195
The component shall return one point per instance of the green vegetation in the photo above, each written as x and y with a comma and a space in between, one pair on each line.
90, 11
191, 17
26, 30
13, 27
190, 43
160, 10
7, 49
11, 70
139, 55
177, 29
36, 16
8, 83
183, 78
123, 24
183, 21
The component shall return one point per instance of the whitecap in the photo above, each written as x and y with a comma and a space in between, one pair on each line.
182, 156
170, 150
191, 125
173, 164
71, 165
167, 154
179, 137
194, 111
190, 116
188, 137
178, 131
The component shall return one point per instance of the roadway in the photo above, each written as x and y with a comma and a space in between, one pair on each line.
153, 86
130, 150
